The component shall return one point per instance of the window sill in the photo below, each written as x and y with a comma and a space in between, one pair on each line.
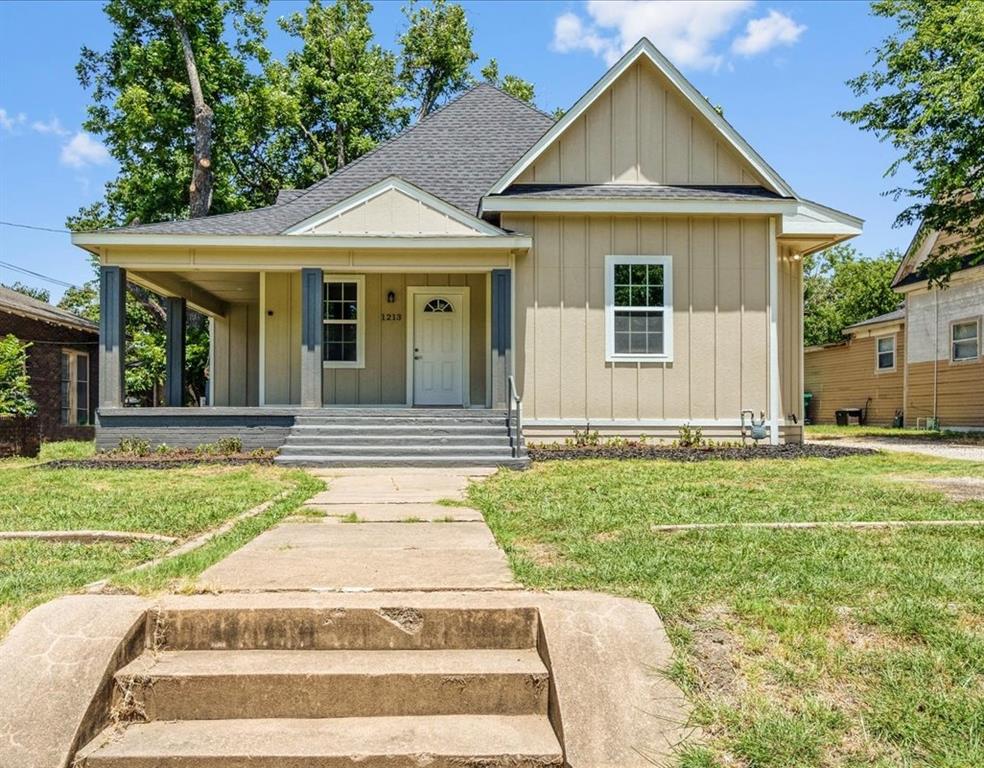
638, 359
332, 365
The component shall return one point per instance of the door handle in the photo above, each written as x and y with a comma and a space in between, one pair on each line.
418, 357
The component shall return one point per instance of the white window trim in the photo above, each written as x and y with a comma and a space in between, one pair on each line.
73, 383
879, 369
964, 321
667, 263
360, 321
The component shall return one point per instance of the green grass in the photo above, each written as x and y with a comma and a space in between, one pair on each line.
179, 502
798, 647
832, 431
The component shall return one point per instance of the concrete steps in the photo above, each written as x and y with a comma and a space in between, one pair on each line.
455, 741
386, 437
271, 683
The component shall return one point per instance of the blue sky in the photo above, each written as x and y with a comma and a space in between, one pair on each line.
778, 70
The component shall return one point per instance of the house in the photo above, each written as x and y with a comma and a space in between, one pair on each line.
630, 268
62, 363
924, 360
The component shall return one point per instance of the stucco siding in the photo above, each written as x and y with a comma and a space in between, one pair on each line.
720, 319
640, 130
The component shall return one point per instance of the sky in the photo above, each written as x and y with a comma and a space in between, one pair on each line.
778, 69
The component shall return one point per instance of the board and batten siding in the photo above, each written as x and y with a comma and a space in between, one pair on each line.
720, 321
382, 381
640, 130
235, 360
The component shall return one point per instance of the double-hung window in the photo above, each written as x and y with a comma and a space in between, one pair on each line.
885, 353
74, 388
965, 340
638, 308
344, 331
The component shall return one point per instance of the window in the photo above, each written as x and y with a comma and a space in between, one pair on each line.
343, 319
885, 353
965, 337
438, 305
74, 388
638, 308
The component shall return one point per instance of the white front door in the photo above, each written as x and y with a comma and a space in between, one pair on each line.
438, 349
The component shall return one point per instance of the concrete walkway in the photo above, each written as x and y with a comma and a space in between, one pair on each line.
381, 530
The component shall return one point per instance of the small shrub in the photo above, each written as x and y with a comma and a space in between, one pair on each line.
586, 437
617, 441
690, 437
228, 445
133, 446
163, 449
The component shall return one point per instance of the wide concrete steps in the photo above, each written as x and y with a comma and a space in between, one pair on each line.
454, 741
206, 685
388, 437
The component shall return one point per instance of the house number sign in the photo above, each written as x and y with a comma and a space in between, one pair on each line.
388, 316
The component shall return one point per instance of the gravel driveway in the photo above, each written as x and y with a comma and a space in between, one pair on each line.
941, 450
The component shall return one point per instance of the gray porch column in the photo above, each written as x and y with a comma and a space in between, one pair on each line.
112, 335
502, 363
312, 335
175, 332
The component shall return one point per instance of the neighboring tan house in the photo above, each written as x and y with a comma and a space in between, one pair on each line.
632, 267
62, 363
924, 360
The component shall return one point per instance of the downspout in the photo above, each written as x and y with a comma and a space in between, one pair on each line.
773, 335
936, 351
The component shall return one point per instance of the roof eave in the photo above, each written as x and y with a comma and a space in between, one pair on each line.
94, 240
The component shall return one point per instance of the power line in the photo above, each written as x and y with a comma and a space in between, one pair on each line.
36, 274
31, 226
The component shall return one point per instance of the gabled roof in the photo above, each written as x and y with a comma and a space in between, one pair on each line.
455, 154
897, 315
646, 49
25, 306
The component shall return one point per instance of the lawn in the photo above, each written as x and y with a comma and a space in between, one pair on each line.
821, 647
832, 431
179, 502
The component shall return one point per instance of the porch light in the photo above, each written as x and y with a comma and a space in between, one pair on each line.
391, 298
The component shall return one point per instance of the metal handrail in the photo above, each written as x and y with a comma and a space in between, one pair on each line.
514, 398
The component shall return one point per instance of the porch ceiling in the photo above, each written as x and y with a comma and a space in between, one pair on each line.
209, 292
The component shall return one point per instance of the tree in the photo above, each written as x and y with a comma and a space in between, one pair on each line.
927, 99
841, 288
342, 89
511, 84
436, 53
15, 387
180, 107
41, 294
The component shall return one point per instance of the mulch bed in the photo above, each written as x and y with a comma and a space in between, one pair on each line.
109, 461
669, 453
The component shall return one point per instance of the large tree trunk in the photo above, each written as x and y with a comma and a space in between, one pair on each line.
202, 178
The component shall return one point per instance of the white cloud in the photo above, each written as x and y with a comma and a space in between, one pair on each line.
692, 33
83, 150
52, 126
8, 122
766, 33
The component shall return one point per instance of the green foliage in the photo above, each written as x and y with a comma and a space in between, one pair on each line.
340, 90
584, 437
690, 437
41, 294
511, 84
15, 387
927, 99
142, 107
436, 53
224, 446
841, 288
132, 446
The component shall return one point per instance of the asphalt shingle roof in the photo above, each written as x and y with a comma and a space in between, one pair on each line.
25, 306
456, 153
647, 191
898, 314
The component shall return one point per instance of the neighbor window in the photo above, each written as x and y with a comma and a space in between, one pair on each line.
74, 387
343, 318
965, 340
638, 308
886, 353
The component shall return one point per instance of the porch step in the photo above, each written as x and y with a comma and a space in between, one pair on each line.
398, 430
218, 685
394, 448
490, 741
384, 421
312, 460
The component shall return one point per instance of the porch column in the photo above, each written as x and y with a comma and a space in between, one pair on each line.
502, 363
174, 382
112, 335
312, 333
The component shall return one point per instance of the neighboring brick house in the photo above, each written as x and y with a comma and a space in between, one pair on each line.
61, 363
